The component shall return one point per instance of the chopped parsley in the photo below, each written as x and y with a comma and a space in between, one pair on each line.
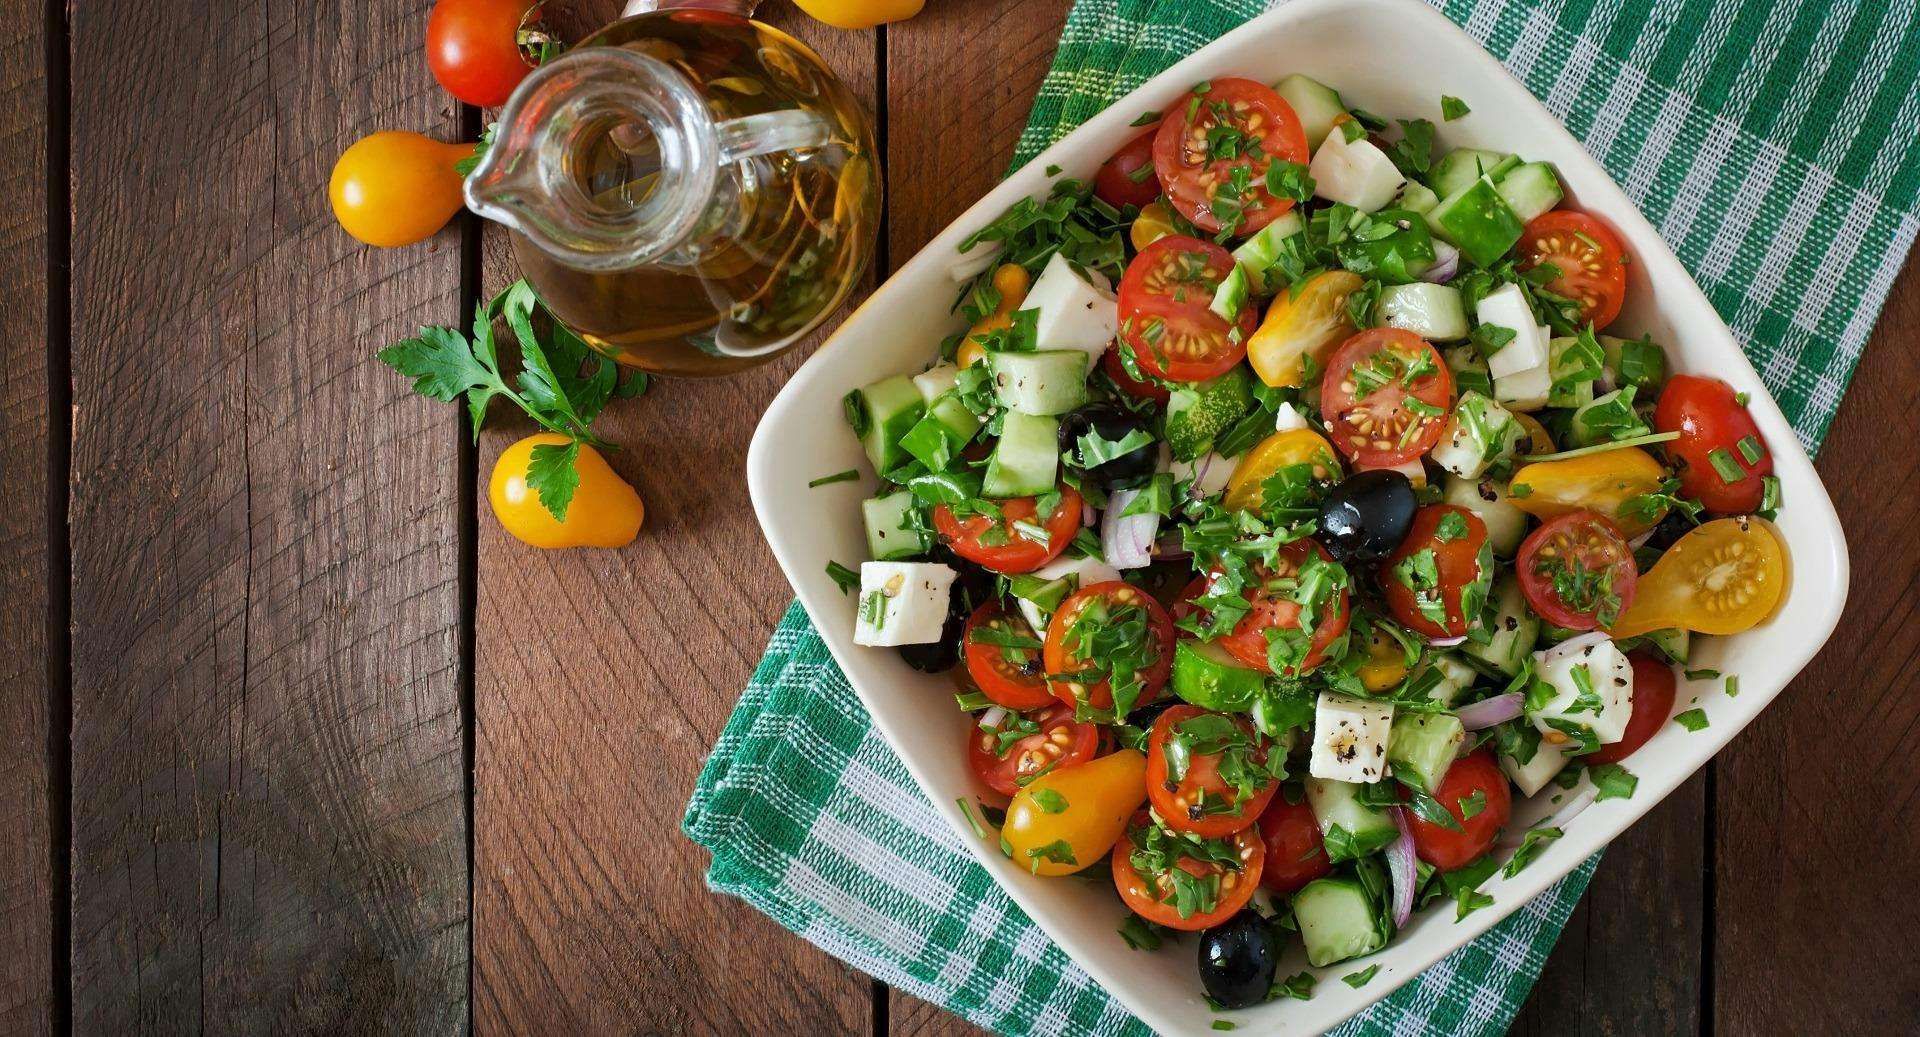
1058, 851
847, 579
1531, 847
847, 476
1356, 980
1612, 781
1049, 801
1470, 806
1298, 986
1692, 720
1452, 108
1725, 466
1140, 934
1146, 118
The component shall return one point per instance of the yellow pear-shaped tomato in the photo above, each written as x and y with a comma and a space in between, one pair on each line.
1153, 223
1300, 330
860, 14
1599, 482
1012, 282
1722, 578
394, 188
1067, 819
1386, 664
1294, 446
605, 511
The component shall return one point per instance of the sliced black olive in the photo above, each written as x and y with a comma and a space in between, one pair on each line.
1365, 517
1237, 959
1113, 422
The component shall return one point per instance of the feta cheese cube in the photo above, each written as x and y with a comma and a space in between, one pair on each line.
1356, 172
1349, 737
1478, 433
1286, 419
1506, 307
1591, 685
1533, 775
901, 603
1075, 313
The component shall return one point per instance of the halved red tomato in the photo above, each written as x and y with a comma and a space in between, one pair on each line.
1105, 632
1000, 659
1653, 691
1592, 264
1116, 369
1295, 853
1270, 592
1055, 740
1447, 849
1184, 782
1577, 571
1385, 397
1128, 178
1166, 313
1441, 564
1228, 869
1212, 153
995, 543
1716, 433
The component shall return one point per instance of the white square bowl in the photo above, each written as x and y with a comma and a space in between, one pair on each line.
1377, 53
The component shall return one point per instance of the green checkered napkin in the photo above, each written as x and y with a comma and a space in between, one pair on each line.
1773, 146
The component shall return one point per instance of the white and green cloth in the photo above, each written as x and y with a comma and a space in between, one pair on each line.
1774, 147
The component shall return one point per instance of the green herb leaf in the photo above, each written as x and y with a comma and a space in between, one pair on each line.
847, 476
1725, 466
1049, 801
1356, 980
847, 579
1531, 847
1452, 108
552, 475
1147, 118
1612, 781
1298, 986
1692, 720
1140, 934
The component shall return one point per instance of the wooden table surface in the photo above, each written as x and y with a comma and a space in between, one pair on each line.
298, 740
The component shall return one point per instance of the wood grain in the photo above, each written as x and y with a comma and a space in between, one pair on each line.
1816, 845
602, 680
26, 886
268, 804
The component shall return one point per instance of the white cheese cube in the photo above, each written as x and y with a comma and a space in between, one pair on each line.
1355, 172
1525, 390
1478, 433
936, 380
1349, 737
1592, 698
1286, 419
1506, 307
1075, 313
901, 603
1533, 775
1214, 472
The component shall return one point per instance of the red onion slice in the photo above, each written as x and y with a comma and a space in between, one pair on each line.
975, 261
1446, 263
1447, 642
1478, 716
1401, 868
1127, 542
1572, 808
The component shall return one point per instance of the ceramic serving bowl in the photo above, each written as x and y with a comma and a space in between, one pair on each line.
1389, 56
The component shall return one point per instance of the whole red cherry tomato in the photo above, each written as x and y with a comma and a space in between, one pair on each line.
1717, 439
473, 47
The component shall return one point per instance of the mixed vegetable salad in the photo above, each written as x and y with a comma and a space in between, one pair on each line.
1286, 565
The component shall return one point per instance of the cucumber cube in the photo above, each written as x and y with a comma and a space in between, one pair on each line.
1487, 498
1530, 189
1574, 363
882, 414
1532, 776
1041, 383
1515, 629
1422, 747
1479, 433
1026, 461
891, 533
1478, 222
1314, 103
1356, 172
1462, 166
1432, 311
1338, 920
1349, 828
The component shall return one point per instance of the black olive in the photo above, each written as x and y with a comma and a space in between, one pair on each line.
1365, 517
1237, 959
971, 588
1113, 422
1670, 530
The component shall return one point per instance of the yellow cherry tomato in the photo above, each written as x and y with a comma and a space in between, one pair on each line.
1386, 664
1596, 482
1086, 806
1153, 223
1721, 578
860, 14
1301, 330
1294, 446
1539, 440
393, 188
1012, 282
605, 512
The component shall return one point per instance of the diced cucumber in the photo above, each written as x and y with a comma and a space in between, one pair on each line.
1423, 746
884, 412
1478, 434
936, 381
949, 411
1026, 461
1432, 311
1338, 920
1487, 497
1198, 414
1462, 166
1478, 222
1640, 363
1515, 629
1207, 676
1450, 677
1530, 189
1259, 255
1355, 172
1469, 369
1397, 248
1349, 828
1316, 104
1231, 295
891, 535
1606, 417
1043, 383
942, 432
1674, 643
1417, 197
1574, 363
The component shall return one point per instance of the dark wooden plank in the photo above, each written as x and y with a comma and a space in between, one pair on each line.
26, 887
1814, 807
960, 84
601, 682
268, 799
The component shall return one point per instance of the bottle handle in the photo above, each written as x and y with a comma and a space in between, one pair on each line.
769, 132
743, 8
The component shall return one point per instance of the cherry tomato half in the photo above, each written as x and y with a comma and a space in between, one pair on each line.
1166, 313
1577, 571
1446, 849
1230, 124
1056, 741
1200, 800
1094, 630
1653, 690
1714, 426
473, 48
1269, 593
1295, 853
1150, 894
1592, 264
997, 545
1366, 392
1127, 178
1720, 578
1444, 554
1008, 674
